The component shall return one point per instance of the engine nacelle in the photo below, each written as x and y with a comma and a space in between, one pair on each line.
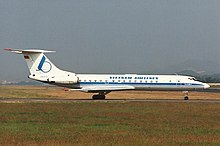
66, 78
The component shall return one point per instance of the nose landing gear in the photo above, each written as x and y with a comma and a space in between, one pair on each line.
186, 97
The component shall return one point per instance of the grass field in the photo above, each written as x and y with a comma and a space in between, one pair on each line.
130, 123
107, 123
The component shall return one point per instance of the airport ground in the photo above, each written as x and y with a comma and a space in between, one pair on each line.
53, 92
72, 118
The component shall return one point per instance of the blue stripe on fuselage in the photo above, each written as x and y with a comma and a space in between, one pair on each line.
116, 83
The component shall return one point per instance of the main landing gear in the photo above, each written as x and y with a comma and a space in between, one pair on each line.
100, 96
186, 97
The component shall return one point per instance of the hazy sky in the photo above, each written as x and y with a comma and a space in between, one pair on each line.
109, 36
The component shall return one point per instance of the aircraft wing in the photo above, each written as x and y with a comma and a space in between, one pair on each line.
105, 88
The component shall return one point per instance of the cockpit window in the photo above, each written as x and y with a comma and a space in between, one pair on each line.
194, 79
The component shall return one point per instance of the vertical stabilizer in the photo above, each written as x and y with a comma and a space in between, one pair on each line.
42, 69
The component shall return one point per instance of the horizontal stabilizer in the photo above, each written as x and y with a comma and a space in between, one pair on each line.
29, 50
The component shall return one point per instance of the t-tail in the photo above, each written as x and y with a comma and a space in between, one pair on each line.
42, 69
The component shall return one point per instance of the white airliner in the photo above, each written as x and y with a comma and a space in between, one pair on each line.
43, 70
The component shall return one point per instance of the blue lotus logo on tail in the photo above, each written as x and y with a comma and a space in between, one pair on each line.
44, 65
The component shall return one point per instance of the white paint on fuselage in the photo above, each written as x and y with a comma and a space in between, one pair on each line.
142, 82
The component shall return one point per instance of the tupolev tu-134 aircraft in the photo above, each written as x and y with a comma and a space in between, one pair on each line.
43, 70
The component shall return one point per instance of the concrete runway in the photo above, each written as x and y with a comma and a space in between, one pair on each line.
213, 90
60, 100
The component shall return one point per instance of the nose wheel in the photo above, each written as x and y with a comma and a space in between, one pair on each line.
186, 97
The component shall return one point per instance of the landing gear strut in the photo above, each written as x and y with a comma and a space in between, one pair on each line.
100, 96
186, 93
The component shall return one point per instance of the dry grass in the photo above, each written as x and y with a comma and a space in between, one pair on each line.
57, 92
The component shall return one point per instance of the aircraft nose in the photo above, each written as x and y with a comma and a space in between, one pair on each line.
206, 86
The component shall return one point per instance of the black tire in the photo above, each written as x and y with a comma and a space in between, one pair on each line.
186, 98
98, 97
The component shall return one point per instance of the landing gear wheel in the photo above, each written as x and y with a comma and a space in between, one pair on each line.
98, 97
186, 98
186, 93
